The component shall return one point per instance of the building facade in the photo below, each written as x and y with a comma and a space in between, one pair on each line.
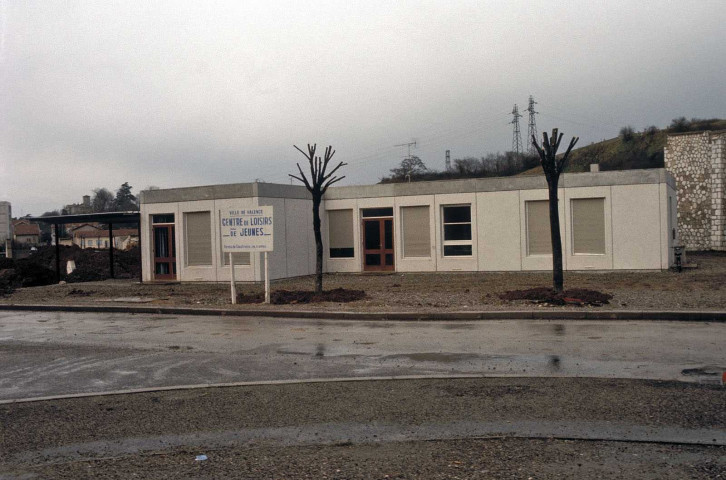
697, 160
623, 220
6, 216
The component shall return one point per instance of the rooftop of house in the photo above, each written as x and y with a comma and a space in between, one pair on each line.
26, 229
491, 184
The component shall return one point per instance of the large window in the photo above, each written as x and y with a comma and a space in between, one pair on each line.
416, 231
340, 233
198, 233
588, 226
539, 241
457, 230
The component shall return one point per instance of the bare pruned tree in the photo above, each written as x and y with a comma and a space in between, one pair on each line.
553, 167
317, 184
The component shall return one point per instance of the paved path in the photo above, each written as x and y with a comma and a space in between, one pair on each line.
52, 353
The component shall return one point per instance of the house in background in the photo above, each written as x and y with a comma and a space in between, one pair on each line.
26, 233
79, 208
90, 235
619, 220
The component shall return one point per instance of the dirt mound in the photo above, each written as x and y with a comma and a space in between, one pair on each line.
575, 296
91, 265
287, 297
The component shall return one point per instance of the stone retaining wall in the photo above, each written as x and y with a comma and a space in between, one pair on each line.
697, 161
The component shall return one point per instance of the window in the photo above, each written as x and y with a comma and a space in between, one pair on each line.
377, 212
198, 230
457, 230
163, 218
588, 226
416, 231
539, 240
340, 233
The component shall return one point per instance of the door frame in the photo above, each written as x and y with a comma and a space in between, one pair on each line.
380, 251
171, 260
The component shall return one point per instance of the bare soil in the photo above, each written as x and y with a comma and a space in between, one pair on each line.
574, 296
702, 288
285, 297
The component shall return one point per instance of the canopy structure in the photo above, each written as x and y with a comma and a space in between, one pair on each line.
108, 218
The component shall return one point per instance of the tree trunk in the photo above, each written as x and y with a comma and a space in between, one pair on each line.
318, 244
557, 276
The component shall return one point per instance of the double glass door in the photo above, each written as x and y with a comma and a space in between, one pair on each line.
164, 253
378, 244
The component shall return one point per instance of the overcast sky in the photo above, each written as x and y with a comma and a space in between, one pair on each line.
184, 93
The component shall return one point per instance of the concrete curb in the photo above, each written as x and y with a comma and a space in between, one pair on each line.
681, 316
170, 388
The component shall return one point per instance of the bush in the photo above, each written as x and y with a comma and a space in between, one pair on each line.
627, 133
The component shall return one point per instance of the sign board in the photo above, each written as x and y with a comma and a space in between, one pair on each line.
246, 229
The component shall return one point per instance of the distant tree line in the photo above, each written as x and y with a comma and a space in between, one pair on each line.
491, 165
105, 201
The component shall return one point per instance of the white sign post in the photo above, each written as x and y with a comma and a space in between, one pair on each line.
247, 229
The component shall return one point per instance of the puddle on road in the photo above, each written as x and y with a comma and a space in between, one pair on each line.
554, 363
439, 357
707, 370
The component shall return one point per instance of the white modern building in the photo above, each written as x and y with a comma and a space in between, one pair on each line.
620, 220
6, 217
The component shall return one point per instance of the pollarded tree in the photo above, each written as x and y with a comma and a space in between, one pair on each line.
317, 184
553, 167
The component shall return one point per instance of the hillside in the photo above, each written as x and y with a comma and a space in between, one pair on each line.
631, 150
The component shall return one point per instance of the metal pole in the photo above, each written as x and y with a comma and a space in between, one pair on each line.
110, 245
267, 279
57, 253
233, 287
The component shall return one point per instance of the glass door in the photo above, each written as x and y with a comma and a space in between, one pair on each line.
164, 253
378, 245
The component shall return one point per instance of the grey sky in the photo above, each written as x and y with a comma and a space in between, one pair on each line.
189, 93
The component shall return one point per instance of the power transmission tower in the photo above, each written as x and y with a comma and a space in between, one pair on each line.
447, 162
517, 134
532, 127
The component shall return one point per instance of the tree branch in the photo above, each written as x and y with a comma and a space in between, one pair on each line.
336, 179
341, 164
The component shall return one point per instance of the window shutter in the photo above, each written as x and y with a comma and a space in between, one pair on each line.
199, 238
340, 228
416, 231
588, 225
539, 240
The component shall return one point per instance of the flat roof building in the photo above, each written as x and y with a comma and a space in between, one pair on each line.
6, 216
618, 220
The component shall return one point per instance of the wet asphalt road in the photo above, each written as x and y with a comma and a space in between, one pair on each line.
51, 353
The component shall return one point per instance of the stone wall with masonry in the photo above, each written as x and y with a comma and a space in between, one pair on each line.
697, 161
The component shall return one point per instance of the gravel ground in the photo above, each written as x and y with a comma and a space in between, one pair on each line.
508, 458
703, 288
31, 427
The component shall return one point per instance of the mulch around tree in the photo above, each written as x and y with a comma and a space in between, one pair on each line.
287, 297
545, 295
